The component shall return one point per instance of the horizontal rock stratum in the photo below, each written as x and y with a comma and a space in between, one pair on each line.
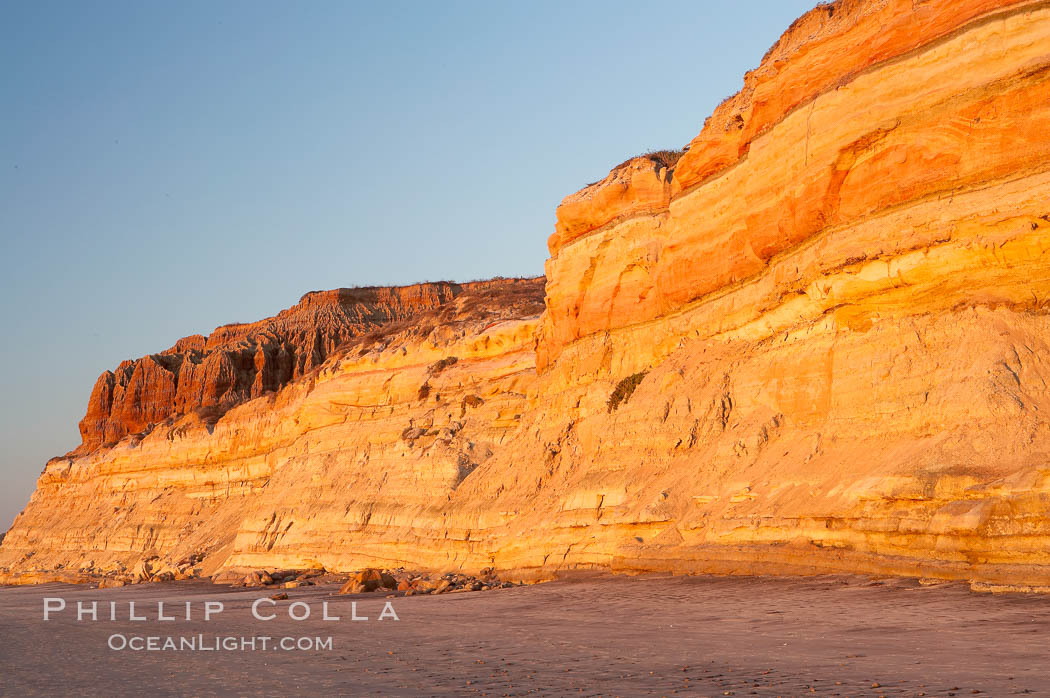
817, 341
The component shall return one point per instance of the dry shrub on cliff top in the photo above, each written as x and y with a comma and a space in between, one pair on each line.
667, 158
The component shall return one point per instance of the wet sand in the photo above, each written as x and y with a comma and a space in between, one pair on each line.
589, 636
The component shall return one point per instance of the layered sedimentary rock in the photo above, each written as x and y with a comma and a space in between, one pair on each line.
930, 101
243, 361
411, 408
818, 341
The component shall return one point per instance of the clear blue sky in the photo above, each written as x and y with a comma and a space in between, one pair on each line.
169, 167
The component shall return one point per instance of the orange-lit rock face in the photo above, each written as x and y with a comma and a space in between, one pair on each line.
833, 313
639, 186
929, 100
390, 411
244, 361
823, 50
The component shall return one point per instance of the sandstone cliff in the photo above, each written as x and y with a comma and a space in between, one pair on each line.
411, 408
818, 341
243, 361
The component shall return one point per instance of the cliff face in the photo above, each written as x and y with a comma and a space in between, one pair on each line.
818, 341
243, 361
860, 111
401, 414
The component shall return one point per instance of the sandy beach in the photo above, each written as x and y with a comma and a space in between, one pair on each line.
586, 636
